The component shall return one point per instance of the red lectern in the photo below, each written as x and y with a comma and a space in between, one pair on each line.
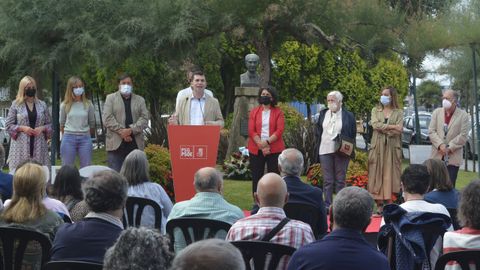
191, 148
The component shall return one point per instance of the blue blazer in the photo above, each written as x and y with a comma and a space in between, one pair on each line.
349, 129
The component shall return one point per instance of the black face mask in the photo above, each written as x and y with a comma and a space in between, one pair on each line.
30, 92
265, 100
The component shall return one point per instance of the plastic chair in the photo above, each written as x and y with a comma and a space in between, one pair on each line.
88, 171
132, 213
14, 245
464, 258
306, 213
259, 251
202, 228
72, 265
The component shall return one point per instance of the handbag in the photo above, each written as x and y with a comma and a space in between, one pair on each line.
344, 145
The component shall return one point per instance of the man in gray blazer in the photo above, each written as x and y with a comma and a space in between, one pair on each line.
198, 108
126, 116
448, 133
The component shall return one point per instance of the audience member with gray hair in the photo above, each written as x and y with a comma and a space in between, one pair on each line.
135, 169
468, 237
208, 202
209, 254
271, 196
139, 249
345, 247
89, 238
290, 164
6, 186
332, 122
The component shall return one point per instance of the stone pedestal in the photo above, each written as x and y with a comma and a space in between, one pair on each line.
246, 98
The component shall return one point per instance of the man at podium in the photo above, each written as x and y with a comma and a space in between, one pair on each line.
198, 108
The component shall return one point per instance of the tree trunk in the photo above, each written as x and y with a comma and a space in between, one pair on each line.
227, 73
263, 51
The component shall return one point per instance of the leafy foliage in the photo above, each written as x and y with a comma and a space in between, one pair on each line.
429, 93
160, 168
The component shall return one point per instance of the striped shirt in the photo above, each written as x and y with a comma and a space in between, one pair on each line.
295, 233
463, 239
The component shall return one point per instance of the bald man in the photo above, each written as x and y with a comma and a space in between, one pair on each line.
448, 133
271, 196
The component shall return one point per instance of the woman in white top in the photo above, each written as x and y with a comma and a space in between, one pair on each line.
135, 170
77, 123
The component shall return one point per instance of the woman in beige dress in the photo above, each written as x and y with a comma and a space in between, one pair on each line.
385, 156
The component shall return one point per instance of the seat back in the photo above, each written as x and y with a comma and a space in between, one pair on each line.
464, 258
66, 219
14, 244
453, 216
132, 213
259, 251
72, 265
306, 213
202, 228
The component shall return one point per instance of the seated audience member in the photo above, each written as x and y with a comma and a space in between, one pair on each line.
139, 249
441, 189
27, 211
68, 189
469, 216
345, 247
208, 202
290, 164
271, 196
135, 170
209, 254
414, 182
89, 238
5, 178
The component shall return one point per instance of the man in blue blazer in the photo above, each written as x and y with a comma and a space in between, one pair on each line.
290, 163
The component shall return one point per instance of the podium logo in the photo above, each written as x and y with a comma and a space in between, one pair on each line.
193, 152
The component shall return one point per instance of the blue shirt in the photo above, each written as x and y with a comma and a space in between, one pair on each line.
6, 185
449, 199
341, 249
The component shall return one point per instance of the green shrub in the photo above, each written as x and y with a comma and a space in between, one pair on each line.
160, 168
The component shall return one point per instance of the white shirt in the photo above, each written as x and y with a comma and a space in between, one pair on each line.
265, 134
187, 92
332, 125
197, 108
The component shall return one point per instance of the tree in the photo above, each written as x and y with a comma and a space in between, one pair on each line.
429, 93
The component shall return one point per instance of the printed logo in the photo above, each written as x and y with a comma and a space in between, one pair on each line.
193, 152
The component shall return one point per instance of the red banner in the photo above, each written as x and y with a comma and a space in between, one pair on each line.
191, 148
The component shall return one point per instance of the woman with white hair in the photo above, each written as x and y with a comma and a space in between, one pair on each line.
135, 170
332, 122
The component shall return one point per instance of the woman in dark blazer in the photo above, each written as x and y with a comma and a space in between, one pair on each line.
331, 122
265, 130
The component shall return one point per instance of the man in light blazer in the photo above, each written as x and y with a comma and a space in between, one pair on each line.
448, 133
198, 108
126, 116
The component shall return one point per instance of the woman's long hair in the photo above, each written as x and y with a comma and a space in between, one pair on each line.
26, 204
68, 182
68, 99
21, 88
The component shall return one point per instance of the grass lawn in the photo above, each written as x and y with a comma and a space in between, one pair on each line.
239, 192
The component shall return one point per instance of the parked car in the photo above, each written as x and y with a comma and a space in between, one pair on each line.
408, 134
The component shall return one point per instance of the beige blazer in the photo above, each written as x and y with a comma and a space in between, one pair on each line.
456, 135
212, 114
114, 117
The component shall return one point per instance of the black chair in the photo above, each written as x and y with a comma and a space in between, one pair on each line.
202, 228
464, 258
72, 265
306, 213
259, 251
14, 246
67, 219
132, 213
453, 216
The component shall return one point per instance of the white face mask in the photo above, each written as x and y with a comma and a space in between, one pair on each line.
446, 104
126, 89
78, 91
333, 106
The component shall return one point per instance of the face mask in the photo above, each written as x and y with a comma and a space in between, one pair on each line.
265, 100
78, 91
332, 106
125, 89
446, 104
30, 92
385, 100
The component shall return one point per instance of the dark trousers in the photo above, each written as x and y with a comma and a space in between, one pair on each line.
334, 169
116, 157
453, 172
257, 166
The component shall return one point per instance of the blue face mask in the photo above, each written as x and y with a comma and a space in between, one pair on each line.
385, 100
